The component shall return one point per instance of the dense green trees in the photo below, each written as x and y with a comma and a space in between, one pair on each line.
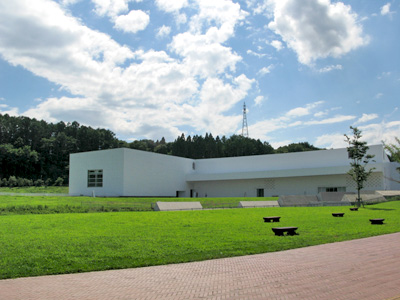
35, 149
39, 151
209, 147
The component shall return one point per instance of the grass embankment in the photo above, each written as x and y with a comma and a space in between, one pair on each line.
56, 204
32, 245
36, 190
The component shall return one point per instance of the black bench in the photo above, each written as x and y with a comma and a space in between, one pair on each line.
354, 208
271, 219
281, 230
376, 221
338, 214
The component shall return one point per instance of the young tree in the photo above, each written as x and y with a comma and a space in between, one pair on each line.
357, 151
394, 151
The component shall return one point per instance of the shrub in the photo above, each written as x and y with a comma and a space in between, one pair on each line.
39, 182
4, 182
59, 181
20, 182
12, 181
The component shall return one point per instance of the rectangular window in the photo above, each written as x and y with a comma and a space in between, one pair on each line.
95, 178
332, 189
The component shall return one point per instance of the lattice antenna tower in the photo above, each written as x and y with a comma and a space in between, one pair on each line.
245, 128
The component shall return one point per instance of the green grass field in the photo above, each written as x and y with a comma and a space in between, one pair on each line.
35, 189
32, 245
15, 204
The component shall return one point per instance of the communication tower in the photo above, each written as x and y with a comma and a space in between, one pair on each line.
245, 128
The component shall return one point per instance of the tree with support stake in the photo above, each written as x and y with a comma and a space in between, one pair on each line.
357, 151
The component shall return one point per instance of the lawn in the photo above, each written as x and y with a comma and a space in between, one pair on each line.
32, 245
36, 189
15, 204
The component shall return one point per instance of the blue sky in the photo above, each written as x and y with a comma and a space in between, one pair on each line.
307, 70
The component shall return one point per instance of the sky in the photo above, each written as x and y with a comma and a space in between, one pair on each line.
146, 69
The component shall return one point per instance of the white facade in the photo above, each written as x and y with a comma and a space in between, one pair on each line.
128, 172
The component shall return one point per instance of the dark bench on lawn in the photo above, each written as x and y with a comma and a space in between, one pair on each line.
377, 221
271, 219
338, 214
281, 230
354, 208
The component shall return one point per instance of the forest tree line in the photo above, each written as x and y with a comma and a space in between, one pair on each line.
39, 151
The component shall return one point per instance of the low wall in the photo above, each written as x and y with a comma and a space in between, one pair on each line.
248, 204
169, 206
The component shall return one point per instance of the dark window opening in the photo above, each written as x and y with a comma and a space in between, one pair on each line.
95, 178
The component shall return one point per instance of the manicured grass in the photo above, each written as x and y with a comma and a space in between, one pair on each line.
51, 204
36, 190
32, 245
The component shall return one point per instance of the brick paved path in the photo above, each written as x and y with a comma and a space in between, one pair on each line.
359, 269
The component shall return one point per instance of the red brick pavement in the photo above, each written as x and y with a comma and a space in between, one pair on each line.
360, 269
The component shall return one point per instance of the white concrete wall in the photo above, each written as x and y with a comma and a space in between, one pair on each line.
284, 161
152, 174
128, 172
393, 176
307, 185
110, 161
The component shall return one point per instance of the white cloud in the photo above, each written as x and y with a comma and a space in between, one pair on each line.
259, 100
303, 111
110, 8
331, 141
366, 118
373, 134
298, 112
385, 9
330, 68
259, 55
277, 45
180, 19
69, 2
316, 28
135, 21
379, 95
320, 114
225, 14
265, 70
263, 129
6, 109
163, 31
171, 6
333, 120
203, 55
376, 133
204, 52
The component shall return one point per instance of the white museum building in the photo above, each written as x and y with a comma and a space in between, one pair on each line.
128, 172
